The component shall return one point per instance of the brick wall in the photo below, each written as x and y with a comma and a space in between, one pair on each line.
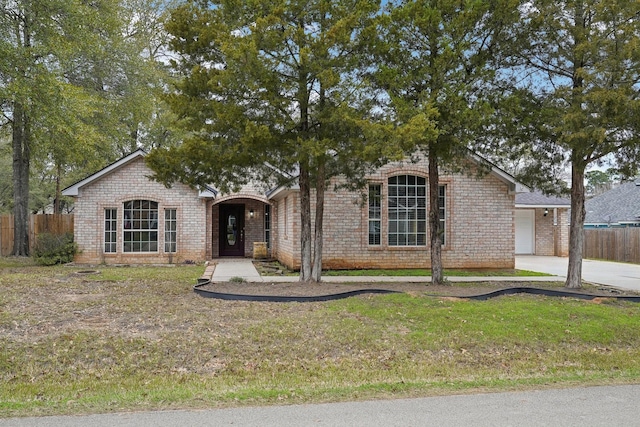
552, 232
544, 233
479, 228
562, 233
286, 238
130, 183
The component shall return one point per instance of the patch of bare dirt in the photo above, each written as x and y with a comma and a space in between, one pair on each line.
460, 290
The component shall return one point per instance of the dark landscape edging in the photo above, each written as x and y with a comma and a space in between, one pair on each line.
278, 298
548, 293
331, 297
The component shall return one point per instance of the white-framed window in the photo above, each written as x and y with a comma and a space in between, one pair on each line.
286, 217
375, 214
140, 221
267, 225
170, 230
442, 207
110, 230
407, 211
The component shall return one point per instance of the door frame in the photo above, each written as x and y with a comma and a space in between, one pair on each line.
238, 249
530, 216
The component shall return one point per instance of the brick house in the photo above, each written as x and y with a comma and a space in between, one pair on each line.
121, 216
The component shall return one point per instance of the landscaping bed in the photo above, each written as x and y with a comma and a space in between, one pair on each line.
455, 289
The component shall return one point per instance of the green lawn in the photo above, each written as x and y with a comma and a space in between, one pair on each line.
139, 338
275, 268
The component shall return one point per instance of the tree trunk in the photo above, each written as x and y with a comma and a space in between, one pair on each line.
21, 159
57, 208
576, 228
317, 241
434, 220
305, 224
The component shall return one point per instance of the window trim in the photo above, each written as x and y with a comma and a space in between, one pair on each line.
442, 227
409, 230
376, 218
168, 233
112, 241
267, 225
128, 224
445, 214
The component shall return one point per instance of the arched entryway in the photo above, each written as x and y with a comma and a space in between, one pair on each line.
237, 223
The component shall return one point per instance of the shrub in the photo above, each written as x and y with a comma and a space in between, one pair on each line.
51, 249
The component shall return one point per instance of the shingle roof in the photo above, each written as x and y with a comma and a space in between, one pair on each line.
620, 204
536, 198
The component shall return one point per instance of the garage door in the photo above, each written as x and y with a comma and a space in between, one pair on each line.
525, 231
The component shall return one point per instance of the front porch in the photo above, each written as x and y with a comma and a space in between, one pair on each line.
235, 223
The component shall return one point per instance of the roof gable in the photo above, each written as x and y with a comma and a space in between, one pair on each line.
514, 185
74, 189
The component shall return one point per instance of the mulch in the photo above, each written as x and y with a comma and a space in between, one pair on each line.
452, 290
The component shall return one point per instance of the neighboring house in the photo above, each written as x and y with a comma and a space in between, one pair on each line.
123, 217
618, 207
541, 224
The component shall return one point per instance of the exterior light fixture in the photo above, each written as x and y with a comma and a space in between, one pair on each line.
251, 213
546, 211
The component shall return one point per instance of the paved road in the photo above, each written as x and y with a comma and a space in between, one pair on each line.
590, 406
618, 274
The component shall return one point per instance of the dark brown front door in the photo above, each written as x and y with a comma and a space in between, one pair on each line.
232, 230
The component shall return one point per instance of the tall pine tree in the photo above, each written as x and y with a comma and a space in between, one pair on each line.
581, 62
271, 83
437, 61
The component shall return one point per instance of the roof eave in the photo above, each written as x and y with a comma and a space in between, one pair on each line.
507, 178
281, 192
207, 192
538, 206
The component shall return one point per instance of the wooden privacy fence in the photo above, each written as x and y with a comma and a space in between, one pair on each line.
613, 244
38, 223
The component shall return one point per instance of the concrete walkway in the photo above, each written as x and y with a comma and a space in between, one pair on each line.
227, 268
224, 269
616, 274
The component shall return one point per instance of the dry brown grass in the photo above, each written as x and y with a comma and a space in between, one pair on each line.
139, 338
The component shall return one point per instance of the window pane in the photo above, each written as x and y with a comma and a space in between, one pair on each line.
442, 208
170, 230
110, 230
375, 213
407, 210
140, 216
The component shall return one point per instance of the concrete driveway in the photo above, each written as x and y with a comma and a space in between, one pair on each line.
617, 274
